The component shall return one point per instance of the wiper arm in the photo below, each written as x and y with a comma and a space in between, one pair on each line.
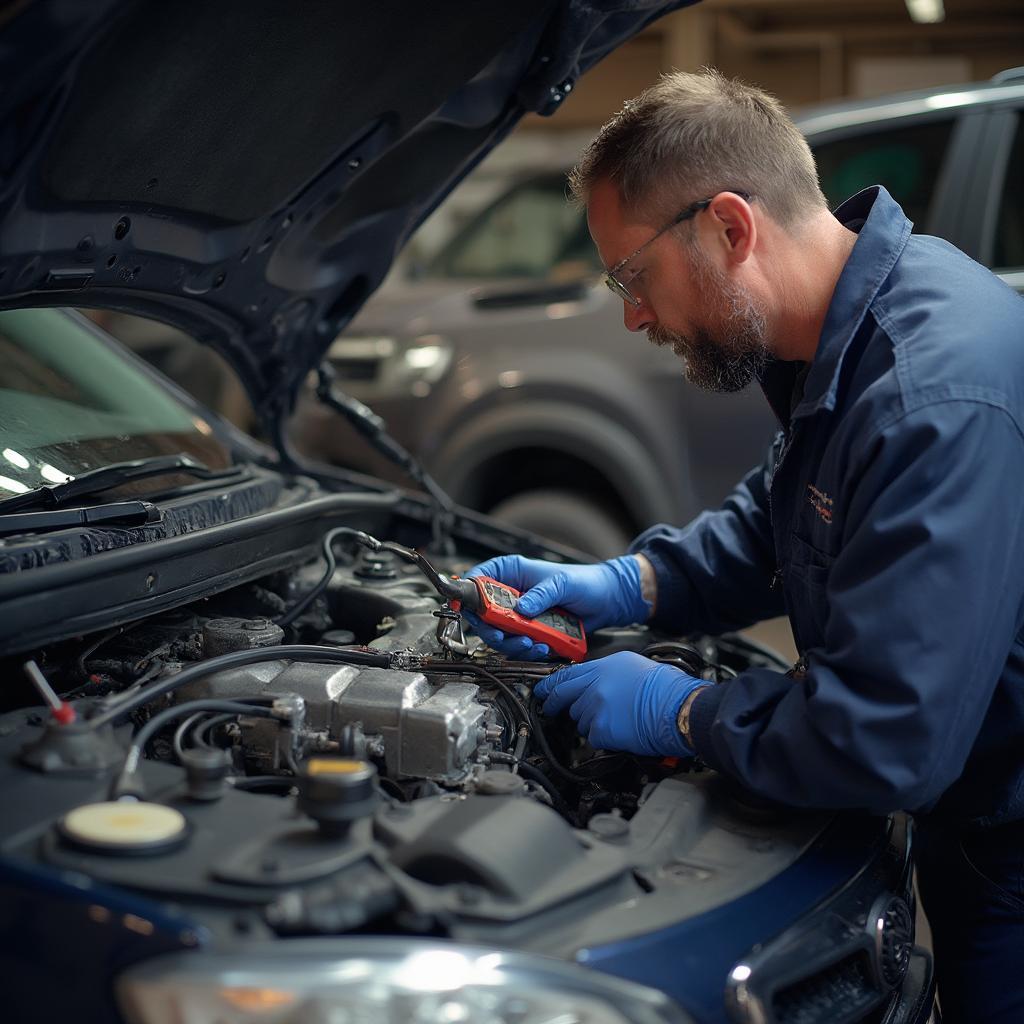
102, 479
117, 513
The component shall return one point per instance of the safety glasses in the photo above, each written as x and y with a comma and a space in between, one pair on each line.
612, 277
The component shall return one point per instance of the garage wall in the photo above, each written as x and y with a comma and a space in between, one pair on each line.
803, 51
806, 51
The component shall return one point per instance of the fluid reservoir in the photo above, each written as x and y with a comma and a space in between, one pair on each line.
222, 636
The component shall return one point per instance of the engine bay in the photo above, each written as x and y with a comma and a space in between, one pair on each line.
301, 756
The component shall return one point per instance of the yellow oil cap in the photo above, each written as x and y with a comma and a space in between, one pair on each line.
334, 766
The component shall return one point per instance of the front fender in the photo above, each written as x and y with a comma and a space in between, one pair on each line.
618, 455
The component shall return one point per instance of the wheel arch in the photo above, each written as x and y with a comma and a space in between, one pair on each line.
468, 461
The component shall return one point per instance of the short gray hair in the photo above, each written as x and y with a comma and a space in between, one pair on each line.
691, 136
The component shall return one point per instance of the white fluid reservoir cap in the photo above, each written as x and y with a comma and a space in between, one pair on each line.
124, 826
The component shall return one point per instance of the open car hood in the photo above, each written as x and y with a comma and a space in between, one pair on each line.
247, 169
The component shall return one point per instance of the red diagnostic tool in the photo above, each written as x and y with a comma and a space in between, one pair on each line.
495, 604
492, 602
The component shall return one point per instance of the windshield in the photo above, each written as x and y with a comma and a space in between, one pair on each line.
532, 231
71, 403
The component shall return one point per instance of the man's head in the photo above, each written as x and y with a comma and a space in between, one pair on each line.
701, 175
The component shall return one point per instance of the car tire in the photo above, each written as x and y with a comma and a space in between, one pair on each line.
565, 518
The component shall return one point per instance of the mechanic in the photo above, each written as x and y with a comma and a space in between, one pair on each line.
886, 521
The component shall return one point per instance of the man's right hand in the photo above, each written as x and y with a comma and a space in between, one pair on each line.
605, 594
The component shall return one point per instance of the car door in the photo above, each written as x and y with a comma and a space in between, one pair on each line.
1000, 179
924, 161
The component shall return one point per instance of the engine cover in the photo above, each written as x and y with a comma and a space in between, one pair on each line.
426, 730
429, 731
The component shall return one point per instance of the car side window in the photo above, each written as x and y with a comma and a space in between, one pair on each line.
531, 232
1009, 242
906, 160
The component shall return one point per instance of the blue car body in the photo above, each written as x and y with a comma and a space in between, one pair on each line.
246, 172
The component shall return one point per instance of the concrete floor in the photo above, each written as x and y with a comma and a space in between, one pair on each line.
775, 633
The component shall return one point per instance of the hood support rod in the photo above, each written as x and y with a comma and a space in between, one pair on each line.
373, 428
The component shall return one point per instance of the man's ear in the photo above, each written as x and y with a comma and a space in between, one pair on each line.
734, 226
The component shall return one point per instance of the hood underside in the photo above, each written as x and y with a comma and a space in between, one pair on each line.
247, 169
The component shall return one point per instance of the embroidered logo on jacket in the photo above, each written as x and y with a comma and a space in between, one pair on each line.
821, 503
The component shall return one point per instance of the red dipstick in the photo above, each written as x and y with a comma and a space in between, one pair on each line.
61, 710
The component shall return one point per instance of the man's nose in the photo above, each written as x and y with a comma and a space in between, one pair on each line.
637, 318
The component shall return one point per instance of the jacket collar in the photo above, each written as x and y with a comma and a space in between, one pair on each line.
882, 230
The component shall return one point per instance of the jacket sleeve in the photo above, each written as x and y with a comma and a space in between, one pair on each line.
924, 600
716, 574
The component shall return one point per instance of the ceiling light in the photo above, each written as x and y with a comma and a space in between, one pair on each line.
926, 12
16, 458
54, 475
14, 486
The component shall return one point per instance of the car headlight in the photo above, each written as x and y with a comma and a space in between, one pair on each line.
350, 981
389, 363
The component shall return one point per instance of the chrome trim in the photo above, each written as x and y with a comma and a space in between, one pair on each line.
354, 346
1014, 278
817, 124
745, 1004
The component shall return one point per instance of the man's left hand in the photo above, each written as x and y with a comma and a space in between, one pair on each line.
623, 702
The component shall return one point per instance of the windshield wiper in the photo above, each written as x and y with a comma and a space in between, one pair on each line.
96, 480
117, 513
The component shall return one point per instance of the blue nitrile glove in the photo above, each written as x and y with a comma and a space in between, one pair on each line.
605, 594
622, 702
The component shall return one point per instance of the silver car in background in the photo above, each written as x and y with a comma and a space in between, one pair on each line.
504, 364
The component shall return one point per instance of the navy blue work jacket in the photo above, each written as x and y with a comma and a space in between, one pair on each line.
888, 523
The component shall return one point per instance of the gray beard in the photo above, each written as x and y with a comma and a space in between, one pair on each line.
732, 353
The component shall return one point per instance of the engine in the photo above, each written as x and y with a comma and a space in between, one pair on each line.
413, 728
428, 720
323, 756
307, 749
